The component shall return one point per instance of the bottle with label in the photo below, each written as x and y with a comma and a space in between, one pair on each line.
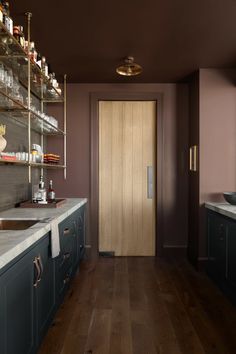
42, 192
44, 66
33, 53
22, 36
54, 81
7, 20
19, 35
16, 33
51, 193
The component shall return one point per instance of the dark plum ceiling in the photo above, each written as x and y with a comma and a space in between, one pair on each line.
87, 39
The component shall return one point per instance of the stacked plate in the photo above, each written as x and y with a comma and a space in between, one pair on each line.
51, 158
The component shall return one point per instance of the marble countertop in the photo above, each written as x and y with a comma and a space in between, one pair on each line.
223, 208
13, 243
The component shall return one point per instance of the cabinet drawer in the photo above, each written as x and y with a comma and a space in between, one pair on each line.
67, 230
66, 257
63, 281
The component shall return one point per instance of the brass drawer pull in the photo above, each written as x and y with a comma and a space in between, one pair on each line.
40, 266
66, 256
66, 231
36, 264
66, 280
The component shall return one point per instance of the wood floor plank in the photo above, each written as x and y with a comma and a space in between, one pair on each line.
121, 339
98, 340
104, 283
142, 335
138, 300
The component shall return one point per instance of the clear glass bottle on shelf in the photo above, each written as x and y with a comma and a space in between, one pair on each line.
51, 193
33, 52
44, 66
42, 192
19, 35
2, 76
7, 20
39, 61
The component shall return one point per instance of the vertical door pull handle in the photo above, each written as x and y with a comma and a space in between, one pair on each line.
149, 182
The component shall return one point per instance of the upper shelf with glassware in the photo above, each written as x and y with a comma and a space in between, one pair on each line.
15, 52
13, 104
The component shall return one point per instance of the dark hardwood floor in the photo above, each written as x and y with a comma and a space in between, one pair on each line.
142, 306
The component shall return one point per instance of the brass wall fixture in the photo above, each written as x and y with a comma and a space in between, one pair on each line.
129, 68
193, 158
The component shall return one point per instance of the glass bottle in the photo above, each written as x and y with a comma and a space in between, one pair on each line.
54, 81
42, 191
19, 35
51, 193
44, 66
33, 53
16, 33
1, 12
7, 20
39, 60
2, 76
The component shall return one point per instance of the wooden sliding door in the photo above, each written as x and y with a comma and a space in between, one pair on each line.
127, 177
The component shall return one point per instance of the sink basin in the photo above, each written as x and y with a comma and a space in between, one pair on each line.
12, 224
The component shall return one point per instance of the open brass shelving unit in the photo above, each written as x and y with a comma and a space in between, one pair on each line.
37, 85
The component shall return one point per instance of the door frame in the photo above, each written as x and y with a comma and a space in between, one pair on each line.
95, 97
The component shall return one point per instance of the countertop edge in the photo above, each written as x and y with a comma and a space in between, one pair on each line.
225, 209
36, 232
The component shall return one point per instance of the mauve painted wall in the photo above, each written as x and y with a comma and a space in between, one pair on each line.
175, 150
217, 140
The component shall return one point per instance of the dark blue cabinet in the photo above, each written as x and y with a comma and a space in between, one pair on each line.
25, 307
221, 265
34, 284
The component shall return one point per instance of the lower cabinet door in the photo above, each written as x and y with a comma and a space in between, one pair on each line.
27, 300
231, 256
217, 230
17, 315
45, 291
81, 232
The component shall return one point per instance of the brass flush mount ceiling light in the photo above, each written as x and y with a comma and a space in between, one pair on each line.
129, 68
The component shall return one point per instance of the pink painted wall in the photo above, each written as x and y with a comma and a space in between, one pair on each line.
175, 150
